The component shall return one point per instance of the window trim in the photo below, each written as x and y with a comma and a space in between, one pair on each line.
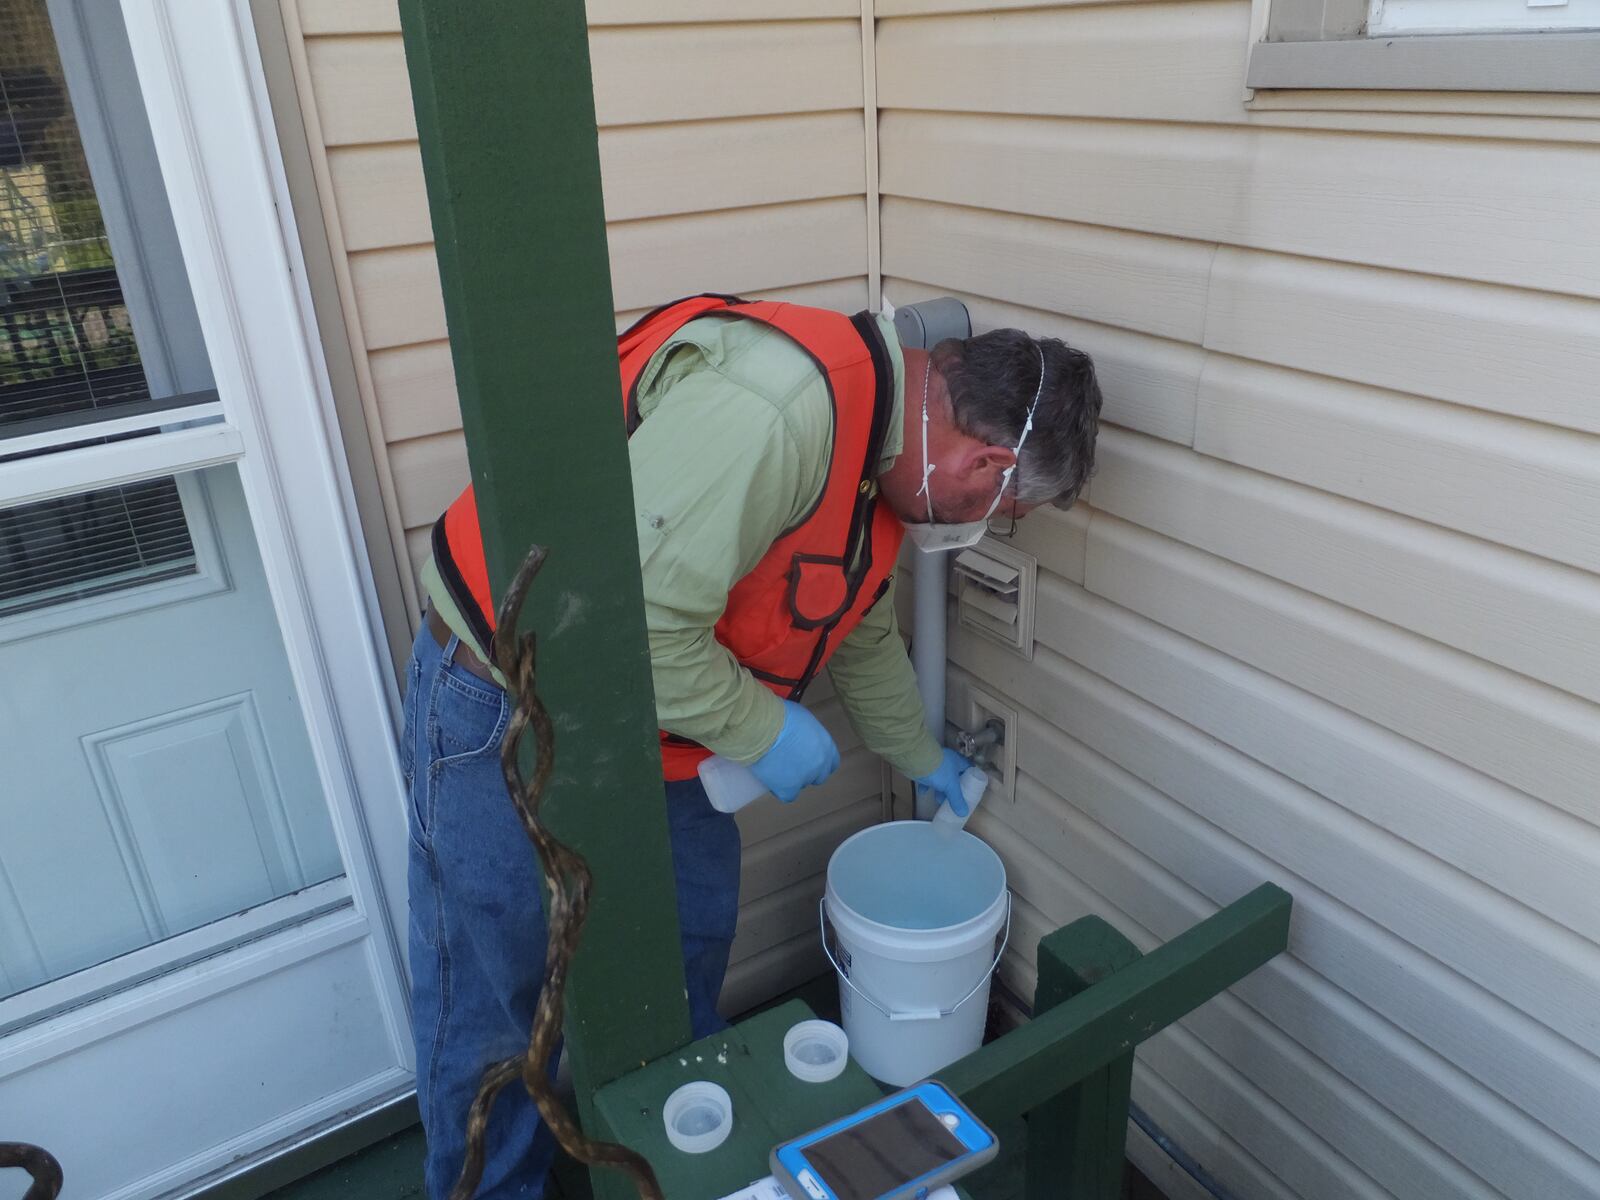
1323, 45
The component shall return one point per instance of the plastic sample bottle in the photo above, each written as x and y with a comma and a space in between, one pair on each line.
974, 782
729, 785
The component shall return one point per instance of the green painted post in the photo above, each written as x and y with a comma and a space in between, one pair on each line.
505, 113
1077, 1141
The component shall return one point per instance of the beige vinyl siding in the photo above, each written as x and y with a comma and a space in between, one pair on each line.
733, 159
1328, 614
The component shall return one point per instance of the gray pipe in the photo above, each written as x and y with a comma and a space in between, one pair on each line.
930, 576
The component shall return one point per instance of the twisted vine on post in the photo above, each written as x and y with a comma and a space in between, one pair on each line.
569, 883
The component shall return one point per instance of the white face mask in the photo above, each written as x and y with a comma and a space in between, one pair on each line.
935, 536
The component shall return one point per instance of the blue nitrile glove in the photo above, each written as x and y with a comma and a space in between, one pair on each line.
944, 781
803, 755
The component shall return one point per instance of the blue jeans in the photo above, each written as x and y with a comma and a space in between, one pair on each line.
477, 931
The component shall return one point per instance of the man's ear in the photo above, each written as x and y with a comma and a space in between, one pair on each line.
987, 460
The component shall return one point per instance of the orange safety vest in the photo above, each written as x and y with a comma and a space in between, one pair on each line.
814, 584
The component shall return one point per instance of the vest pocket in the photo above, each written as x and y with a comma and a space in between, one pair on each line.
819, 590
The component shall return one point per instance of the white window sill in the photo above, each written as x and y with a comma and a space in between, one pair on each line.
1516, 62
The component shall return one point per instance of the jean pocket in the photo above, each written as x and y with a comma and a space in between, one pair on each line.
468, 717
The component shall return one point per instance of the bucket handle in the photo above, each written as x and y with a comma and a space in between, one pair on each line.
917, 1014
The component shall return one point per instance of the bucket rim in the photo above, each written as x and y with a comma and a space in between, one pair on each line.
900, 944
838, 905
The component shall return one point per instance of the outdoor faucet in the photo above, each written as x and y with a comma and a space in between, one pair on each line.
977, 743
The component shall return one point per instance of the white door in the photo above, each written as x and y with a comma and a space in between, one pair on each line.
198, 960
161, 775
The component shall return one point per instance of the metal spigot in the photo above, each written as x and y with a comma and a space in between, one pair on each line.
977, 743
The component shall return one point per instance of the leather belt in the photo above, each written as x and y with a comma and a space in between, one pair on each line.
465, 656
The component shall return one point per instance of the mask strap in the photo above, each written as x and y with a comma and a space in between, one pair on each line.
927, 467
1027, 428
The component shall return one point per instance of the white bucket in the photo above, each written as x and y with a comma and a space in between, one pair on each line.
916, 910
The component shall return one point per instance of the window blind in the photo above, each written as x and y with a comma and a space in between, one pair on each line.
66, 338
69, 360
56, 551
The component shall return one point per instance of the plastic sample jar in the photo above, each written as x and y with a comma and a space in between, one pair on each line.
698, 1116
815, 1051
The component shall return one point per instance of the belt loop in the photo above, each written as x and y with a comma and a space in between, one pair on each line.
450, 649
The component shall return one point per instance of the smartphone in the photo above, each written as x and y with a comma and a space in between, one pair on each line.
905, 1145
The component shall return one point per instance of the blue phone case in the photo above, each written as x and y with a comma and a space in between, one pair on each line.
805, 1180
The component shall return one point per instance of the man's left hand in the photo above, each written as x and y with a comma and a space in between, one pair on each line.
944, 781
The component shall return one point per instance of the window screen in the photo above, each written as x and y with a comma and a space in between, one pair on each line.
67, 348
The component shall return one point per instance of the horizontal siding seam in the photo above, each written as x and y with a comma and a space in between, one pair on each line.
395, 34
889, 194
727, 23
625, 222
1222, 357
1246, 127
732, 118
627, 126
743, 209
1490, 287
981, 210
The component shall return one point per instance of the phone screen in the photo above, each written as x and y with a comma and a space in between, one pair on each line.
884, 1152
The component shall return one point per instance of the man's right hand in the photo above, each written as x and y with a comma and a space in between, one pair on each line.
803, 756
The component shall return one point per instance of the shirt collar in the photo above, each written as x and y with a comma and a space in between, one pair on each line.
894, 437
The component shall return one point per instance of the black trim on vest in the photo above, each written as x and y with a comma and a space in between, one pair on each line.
792, 595
770, 677
455, 583
858, 539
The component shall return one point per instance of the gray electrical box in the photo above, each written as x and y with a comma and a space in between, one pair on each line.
923, 325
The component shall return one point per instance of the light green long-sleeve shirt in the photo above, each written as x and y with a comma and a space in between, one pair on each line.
732, 449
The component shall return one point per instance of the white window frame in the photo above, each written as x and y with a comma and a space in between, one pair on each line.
1415, 17
1325, 45
200, 74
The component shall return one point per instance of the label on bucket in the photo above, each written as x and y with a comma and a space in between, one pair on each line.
843, 957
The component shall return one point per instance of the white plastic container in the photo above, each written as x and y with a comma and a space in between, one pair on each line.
916, 911
729, 785
974, 782
698, 1116
815, 1051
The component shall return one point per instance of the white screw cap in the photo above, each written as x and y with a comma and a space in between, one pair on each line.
815, 1051
698, 1116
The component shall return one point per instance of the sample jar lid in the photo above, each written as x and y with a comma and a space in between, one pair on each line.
698, 1116
815, 1051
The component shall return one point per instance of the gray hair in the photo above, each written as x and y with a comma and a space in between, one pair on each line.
992, 379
